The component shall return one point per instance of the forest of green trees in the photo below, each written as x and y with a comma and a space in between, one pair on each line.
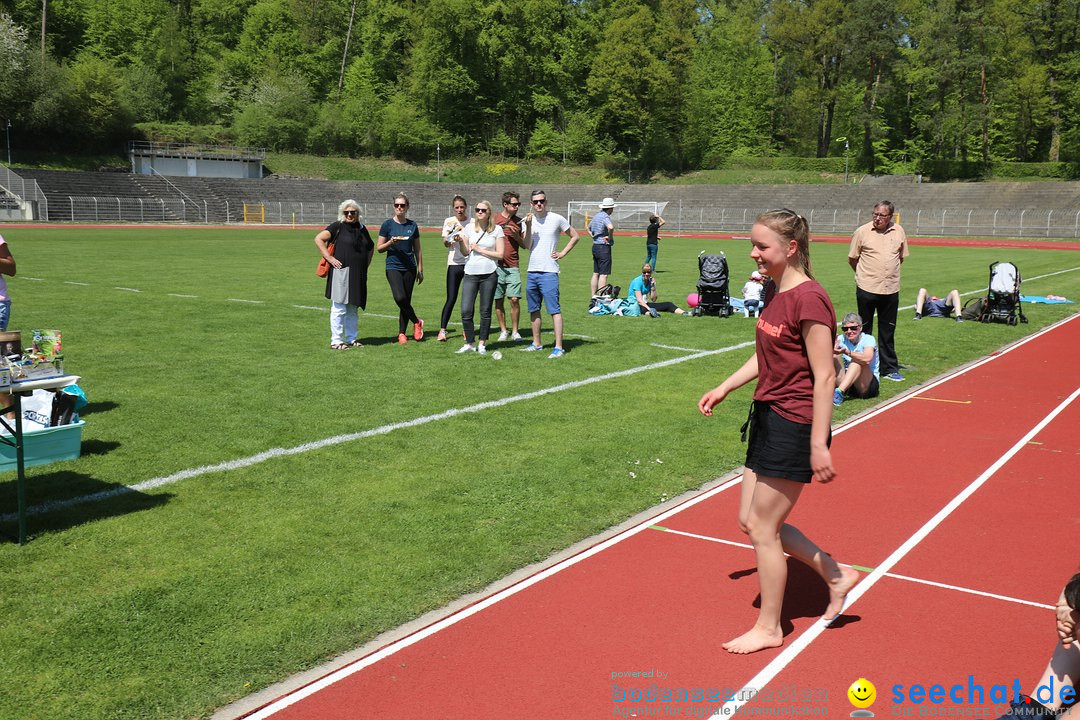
678, 84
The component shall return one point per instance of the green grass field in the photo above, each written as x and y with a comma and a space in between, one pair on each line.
179, 599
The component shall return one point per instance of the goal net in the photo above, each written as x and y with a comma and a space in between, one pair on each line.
625, 216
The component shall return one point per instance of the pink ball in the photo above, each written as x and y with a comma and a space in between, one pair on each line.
692, 300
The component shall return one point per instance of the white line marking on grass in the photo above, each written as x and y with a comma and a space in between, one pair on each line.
128, 289
895, 576
34, 279
675, 347
340, 674
311, 307
181, 295
350, 437
70, 282
253, 302
792, 651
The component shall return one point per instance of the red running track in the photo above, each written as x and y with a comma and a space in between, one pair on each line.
660, 598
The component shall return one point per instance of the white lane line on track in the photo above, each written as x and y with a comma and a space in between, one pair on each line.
350, 437
894, 576
792, 651
352, 668
126, 289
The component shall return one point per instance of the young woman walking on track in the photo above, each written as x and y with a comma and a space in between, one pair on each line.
789, 433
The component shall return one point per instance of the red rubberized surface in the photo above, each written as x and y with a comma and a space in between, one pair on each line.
659, 601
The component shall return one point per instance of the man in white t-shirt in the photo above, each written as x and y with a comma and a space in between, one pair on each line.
540, 234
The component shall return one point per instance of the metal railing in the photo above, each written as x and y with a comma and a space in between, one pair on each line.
150, 147
959, 222
26, 191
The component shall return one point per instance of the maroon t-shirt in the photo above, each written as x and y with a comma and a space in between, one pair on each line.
784, 378
512, 233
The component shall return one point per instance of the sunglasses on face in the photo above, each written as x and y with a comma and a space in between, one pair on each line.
513, 204
482, 210
352, 212
539, 201
852, 328
646, 272
401, 205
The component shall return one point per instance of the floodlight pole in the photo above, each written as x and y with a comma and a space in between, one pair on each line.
438, 162
8, 131
629, 160
846, 161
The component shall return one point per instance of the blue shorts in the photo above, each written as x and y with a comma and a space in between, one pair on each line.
543, 286
937, 308
5, 314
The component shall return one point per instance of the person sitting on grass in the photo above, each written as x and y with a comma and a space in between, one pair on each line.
938, 307
643, 291
855, 356
1062, 670
751, 293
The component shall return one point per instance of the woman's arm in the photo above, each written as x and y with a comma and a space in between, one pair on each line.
418, 251
748, 372
384, 243
7, 262
819, 347
320, 242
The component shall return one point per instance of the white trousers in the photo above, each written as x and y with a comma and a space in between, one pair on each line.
344, 323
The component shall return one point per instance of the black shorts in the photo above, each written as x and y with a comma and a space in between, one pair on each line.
601, 259
778, 447
872, 390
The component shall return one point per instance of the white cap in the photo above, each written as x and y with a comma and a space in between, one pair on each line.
756, 276
607, 203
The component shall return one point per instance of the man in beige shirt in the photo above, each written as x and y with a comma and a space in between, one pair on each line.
878, 248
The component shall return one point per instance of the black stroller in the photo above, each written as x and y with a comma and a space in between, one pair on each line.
1003, 295
712, 287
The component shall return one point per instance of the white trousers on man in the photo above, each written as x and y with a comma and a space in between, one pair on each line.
344, 323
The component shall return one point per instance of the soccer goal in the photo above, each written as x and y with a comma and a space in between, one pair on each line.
626, 215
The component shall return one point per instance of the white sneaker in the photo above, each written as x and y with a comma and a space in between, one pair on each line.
481, 349
516, 337
503, 335
465, 348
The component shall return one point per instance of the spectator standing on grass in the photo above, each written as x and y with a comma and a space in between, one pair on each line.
938, 307
508, 271
481, 243
652, 239
541, 237
7, 267
603, 237
399, 238
643, 290
856, 358
789, 421
455, 261
346, 283
877, 251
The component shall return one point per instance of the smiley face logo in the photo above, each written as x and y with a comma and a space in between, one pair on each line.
862, 693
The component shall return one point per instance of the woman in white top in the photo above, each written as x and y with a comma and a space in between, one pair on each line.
482, 243
455, 261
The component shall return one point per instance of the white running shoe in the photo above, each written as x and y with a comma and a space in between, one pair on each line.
482, 349
516, 337
503, 336
465, 348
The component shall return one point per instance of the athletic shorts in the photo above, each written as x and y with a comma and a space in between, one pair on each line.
778, 447
543, 286
872, 389
601, 259
937, 308
509, 284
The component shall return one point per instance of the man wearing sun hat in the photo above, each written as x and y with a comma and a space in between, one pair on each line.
603, 237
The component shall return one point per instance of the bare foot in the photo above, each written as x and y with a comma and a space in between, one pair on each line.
838, 590
757, 638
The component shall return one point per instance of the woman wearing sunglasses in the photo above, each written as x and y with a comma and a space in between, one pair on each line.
346, 283
399, 238
455, 261
481, 242
856, 358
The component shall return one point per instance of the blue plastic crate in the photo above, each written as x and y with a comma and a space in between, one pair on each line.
45, 446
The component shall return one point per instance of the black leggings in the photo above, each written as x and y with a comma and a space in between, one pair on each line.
664, 306
454, 274
401, 286
485, 286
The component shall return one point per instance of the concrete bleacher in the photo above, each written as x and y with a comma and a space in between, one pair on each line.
1006, 208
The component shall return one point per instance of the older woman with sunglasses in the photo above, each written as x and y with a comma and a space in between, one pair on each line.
481, 241
399, 238
346, 283
855, 356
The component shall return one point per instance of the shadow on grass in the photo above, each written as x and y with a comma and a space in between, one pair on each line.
71, 499
98, 407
